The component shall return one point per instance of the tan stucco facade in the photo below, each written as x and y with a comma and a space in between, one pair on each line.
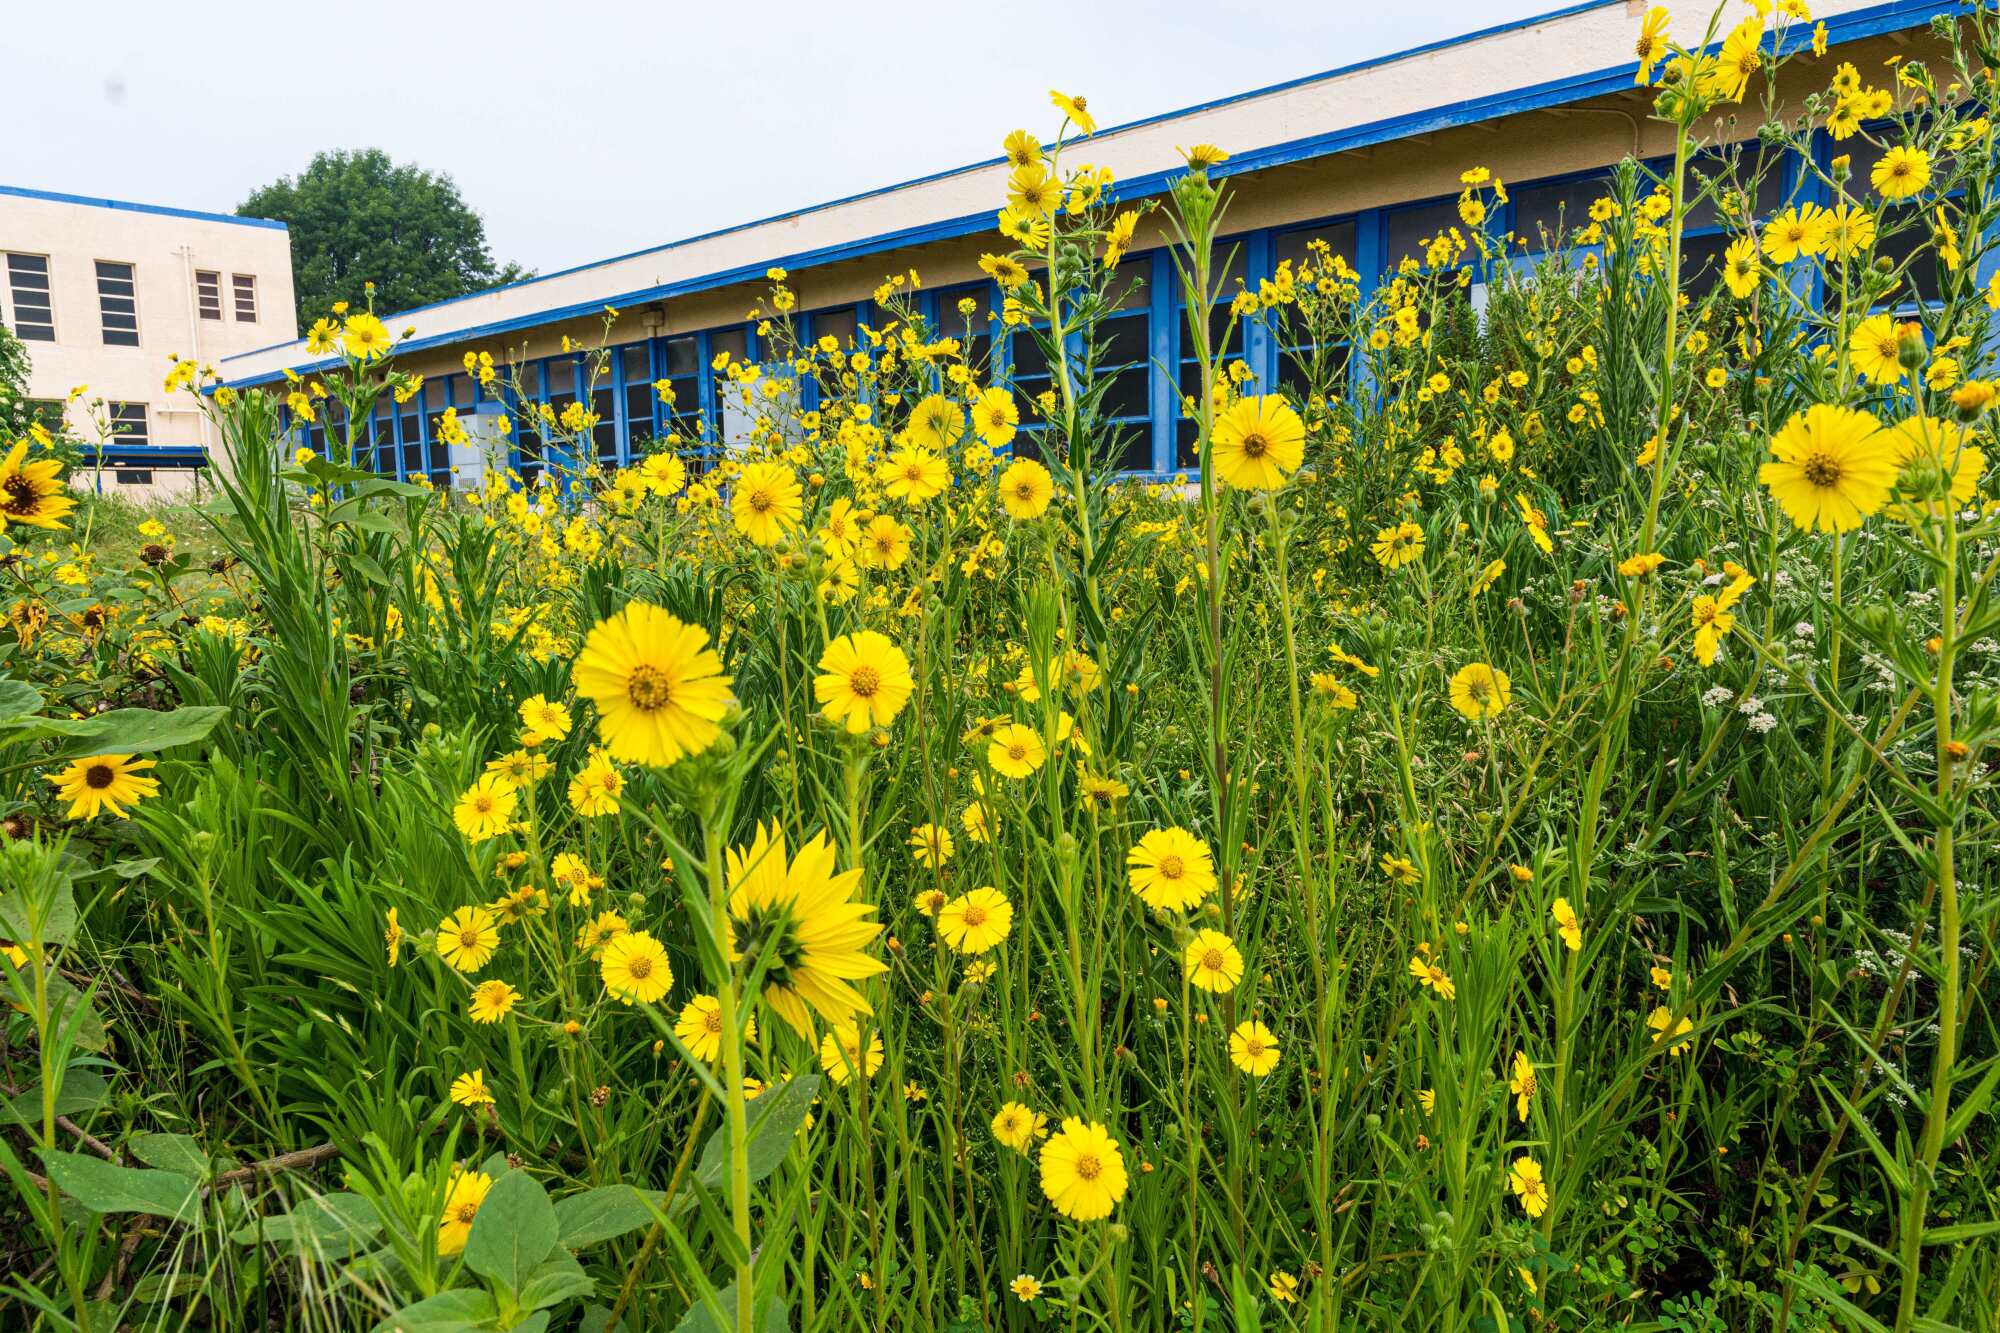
201, 286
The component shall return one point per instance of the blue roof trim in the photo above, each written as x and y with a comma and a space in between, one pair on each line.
22, 192
1872, 21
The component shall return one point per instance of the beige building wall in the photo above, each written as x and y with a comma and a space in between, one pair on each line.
178, 310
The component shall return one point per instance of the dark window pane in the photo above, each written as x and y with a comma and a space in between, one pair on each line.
1028, 357
839, 324
1128, 395
118, 307
638, 363
683, 357
28, 282
1411, 229
1544, 213
1124, 340
1734, 173
1296, 245
1701, 263
1920, 282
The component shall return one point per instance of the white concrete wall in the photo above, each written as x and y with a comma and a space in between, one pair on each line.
166, 250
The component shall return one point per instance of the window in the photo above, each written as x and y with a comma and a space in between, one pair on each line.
1123, 341
1296, 354
28, 282
245, 287
208, 294
680, 367
1412, 229
118, 303
128, 424
1545, 214
1751, 175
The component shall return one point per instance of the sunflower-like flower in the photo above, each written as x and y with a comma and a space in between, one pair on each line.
864, 681
658, 686
801, 916
1259, 444
1831, 469
105, 782
32, 494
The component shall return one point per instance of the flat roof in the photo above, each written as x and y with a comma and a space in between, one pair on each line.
89, 201
1583, 49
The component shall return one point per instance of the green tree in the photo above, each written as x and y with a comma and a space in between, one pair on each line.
357, 217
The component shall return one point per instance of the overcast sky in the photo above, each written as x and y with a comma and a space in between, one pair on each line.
583, 130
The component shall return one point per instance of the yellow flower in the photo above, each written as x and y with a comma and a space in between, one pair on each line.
1213, 961
841, 1054
1083, 1171
766, 503
1522, 1083
699, 1027
1480, 691
550, 721
635, 968
471, 1090
595, 934
1875, 347
1032, 192
392, 938
32, 493
864, 681
1016, 751
1398, 546
1171, 870
1567, 924
1026, 489
1026, 1288
1202, 156
468, 938
1022, 149
914, 475
886, 545
364, 338
1259, 443
1434, 978
1638, 566
930, 844
493, 1001
1253, 1049
1739, 267
1075, 109
1661, 1019
657, 685
805, 915
977, 921
1831, 468
1796, 231
595, 789
1901, 172
1524, 1177
1937, 465
1118, 237
104, 782
995, 417
1017, 1127
485, 809
937, 423
1651, 47
461, 1205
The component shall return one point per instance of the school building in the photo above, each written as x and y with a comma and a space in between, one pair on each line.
1366, 157
102, 293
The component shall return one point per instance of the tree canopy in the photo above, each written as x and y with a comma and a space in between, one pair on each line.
358, 217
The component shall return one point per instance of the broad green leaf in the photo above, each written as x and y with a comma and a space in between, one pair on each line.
75, 1015
18, 699
104, 1187
171, 1152
514, 1231
81, 1092
132, 730
598, 1215
774, 1122
27, 875
560, 1279
467, 1310
331, 1226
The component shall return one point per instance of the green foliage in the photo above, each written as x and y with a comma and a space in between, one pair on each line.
358, 218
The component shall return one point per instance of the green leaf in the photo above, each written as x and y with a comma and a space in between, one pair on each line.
777, 1116
132, 730
75, 1015
1964, 1231
18, 699
81, 1092
171, 1152
469, 1310
37, 888
598, 1215
103, 1187
514, 1231
560, 1279
330, 1226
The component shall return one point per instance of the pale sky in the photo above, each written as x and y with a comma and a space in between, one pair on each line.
587, 129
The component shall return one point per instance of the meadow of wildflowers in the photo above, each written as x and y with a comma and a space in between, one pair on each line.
1504, 843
